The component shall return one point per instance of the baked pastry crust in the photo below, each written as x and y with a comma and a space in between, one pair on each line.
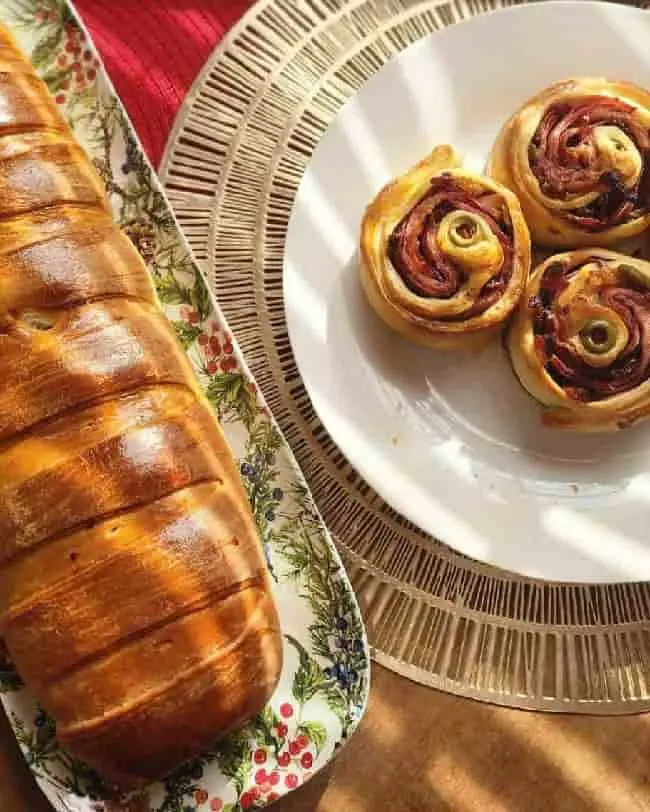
580, 340
446, 303
134, 597
577, 157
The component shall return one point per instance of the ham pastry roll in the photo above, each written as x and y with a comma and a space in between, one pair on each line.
577, 156
580, 341
444, 253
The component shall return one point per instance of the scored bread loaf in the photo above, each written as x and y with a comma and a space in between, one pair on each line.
134, 597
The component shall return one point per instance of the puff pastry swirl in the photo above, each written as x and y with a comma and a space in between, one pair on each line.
578, 157
580, 340
444, 253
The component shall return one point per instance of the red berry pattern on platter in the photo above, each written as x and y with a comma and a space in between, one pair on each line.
286, 764
214, 344
75, 61
259, 756
281, 759
246, 800
286, 710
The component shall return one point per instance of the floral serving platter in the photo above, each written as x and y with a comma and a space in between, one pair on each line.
324, 685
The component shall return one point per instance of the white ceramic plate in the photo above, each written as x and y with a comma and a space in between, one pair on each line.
450, 440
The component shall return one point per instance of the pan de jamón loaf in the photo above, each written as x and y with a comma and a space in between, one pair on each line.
134, 598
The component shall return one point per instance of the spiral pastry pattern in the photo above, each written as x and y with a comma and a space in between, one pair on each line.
444, 253
580, 340
578, 157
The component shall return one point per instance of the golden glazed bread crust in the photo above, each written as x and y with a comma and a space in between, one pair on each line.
134, 597
509, 164
421, 319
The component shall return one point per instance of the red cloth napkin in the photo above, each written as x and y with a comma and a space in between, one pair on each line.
153, 50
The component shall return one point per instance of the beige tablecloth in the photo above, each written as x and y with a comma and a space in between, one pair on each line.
419, 750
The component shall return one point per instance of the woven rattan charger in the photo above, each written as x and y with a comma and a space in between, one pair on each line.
233, 164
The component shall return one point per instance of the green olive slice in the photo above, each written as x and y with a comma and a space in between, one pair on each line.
598, 336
